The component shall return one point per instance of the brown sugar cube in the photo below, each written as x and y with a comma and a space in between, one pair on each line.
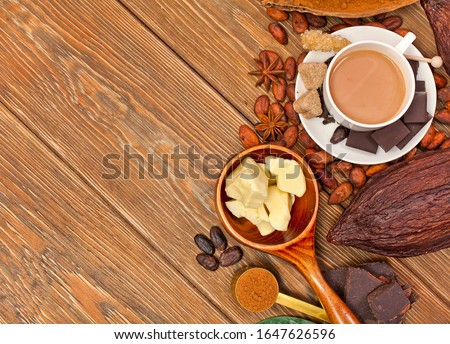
312, 74
309, 104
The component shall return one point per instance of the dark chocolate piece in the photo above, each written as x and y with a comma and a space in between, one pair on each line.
417, 112
410, 293
362, 140
359, 284
414, 128
390, 135
414, 67
387, 302
379, 269
420, 86
336, 279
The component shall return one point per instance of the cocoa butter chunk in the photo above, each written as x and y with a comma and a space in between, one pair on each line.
414, 67
336, 280
417, 111
379, 269
390, 135
362, 140
358, 285
420, 86
388, 302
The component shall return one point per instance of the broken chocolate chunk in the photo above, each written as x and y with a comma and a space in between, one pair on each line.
414, 67
379, 269
414, 128
420, 86
358, 285
362, 140
387, 302
336, 280
417, 111
390, 135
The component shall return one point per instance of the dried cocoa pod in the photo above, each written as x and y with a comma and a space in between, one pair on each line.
380, 17
290, 136
443, 116
230, 256
261, 106
291, 113
277, 14
279, 33
444, 94
374, 169
445, 144
279, 89
326, 178
208, 262
320, 157
299, 22
204, 244
357, 177
401, 31
341, 193
428, 138
305, 139
408, 156
316, 21
277, 109
414, 198
340, 166
339, 134
217, 238
338, 27
290, 92
352, 21
301, 57
439, 80
375, 24
290, 68
247, 136
392, 22
438, 139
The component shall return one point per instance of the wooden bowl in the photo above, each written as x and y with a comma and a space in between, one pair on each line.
296, 245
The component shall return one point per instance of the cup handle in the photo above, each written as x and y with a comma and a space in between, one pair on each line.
405, 42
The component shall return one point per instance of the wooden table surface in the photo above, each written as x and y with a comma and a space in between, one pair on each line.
83, 79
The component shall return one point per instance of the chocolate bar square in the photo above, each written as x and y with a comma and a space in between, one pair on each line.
362, 140
414, 128
417, 112
388, 302
414, 67
379, 269
390, 135
420, 86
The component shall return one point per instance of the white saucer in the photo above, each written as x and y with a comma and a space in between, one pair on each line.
321, 133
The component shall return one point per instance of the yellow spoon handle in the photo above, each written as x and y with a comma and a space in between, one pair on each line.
302, 306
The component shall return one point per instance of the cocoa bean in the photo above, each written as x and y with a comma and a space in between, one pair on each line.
321, 157
352, 21
319, 185
408, 156
428, 138
291, 113
262, 104
273, 56
339, 134
326, 178
316, 21
217, 238
290, 68
444, 94
290, 136
301, 57
447, 105
284, 119
439, 80
290, 92
401, 31
208, 262
230, 256
277, 14
445, 144
392, 23
299, 22
338, 27
279, 33
364, 167
443, 116
204, 244
279, 89
374, 169
357, 177
375, 24
278, 143
380, 17
305, 139
340, 166
341, 193
438, 139
317, 167
247, 136
277, 109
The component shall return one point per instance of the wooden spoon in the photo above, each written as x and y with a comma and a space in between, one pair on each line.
296, 245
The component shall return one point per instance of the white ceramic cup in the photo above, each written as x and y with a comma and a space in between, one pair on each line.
395, 53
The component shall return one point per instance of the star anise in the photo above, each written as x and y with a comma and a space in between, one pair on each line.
271, 125
267, 71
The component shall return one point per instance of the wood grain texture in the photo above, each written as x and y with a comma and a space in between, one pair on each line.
66, 257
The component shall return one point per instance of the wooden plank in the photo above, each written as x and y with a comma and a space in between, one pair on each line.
66, 257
